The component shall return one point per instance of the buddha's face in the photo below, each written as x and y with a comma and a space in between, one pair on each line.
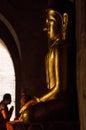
50, 29
53, 25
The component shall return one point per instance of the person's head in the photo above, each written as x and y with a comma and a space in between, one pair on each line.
7, 98
25, 99
55, 24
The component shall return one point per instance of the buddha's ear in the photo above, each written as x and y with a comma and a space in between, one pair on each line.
64, 25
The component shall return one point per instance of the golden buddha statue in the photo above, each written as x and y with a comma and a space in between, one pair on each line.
56, 26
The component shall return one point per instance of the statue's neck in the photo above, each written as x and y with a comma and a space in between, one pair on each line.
53, 42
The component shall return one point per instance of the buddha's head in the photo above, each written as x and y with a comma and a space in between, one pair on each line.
56, 24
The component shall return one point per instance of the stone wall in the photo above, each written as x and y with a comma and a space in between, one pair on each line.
81, 60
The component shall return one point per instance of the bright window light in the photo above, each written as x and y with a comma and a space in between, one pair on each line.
7, 75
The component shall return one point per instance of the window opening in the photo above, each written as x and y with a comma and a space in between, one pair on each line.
7, 75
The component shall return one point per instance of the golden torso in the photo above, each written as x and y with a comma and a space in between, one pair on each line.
50, 68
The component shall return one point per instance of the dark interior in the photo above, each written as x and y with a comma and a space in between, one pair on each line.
28, 19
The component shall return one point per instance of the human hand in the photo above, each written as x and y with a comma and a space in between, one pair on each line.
11, 108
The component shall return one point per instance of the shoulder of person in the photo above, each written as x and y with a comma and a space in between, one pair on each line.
2, 106
28, 104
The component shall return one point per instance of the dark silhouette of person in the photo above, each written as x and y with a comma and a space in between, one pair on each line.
5, 114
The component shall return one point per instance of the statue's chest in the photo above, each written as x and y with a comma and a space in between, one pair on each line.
50, 56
